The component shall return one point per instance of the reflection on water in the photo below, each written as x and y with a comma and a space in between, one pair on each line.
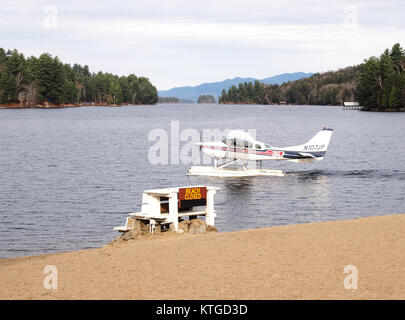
309, 175
263, 201
238, 186
69, 175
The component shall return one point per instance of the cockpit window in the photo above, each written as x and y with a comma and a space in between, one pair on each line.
248, 144
238, 143
267, 146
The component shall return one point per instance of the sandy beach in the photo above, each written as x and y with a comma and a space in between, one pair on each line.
303, 261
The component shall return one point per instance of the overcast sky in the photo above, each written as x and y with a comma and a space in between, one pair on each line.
176, 43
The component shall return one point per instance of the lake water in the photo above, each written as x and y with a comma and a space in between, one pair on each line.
68, 176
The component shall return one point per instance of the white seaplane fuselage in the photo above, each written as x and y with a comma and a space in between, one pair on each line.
240, 147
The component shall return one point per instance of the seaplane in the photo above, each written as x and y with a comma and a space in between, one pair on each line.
239, 147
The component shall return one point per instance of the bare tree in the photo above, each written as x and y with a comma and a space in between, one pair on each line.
133, 97
22, 97
378, 78
19, 78
81, 91
28, 94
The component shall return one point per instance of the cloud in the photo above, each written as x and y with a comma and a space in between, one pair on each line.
188, 42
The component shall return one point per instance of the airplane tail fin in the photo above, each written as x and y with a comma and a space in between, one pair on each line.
318, 142
314, 149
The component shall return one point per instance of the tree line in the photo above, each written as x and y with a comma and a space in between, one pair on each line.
378, 84
31, 81
381, 84
329, 88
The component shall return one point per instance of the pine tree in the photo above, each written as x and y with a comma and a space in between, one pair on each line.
8, 88
395, 97
388, 75
224, 97
369, 85
397, 55
115, 91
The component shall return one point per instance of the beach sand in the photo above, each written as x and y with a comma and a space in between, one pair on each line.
303, 261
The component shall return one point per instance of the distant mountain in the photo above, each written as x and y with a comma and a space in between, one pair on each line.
215, 88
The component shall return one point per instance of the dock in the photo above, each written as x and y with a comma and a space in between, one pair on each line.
351, 106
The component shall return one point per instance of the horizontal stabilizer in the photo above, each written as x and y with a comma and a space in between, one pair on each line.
305, 154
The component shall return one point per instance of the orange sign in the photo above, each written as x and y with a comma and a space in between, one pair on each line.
189, 197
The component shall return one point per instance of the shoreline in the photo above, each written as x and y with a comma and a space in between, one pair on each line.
76, 105
374, 109
64, 105
302, 261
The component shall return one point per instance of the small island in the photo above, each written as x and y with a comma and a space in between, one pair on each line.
173, 100
206, 98
168, 100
